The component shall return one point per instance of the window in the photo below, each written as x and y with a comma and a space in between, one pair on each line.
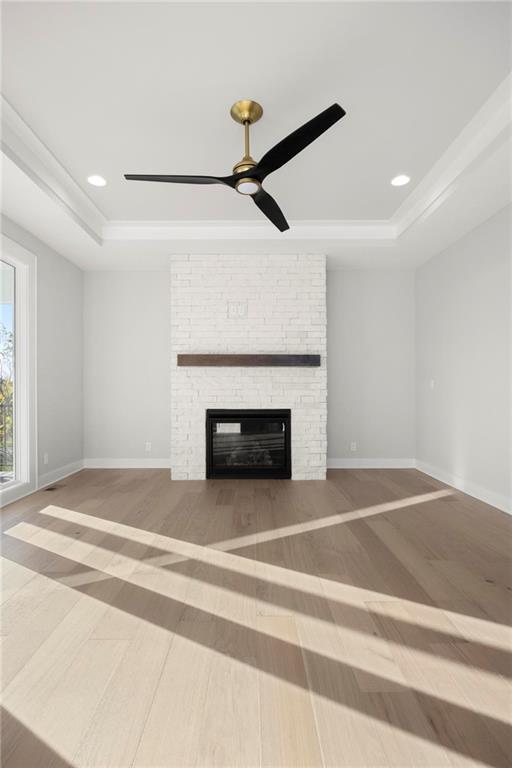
7, 373
18, 472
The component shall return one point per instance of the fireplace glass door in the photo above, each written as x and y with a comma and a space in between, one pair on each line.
248, 443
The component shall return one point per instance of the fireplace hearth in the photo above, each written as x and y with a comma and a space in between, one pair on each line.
253, 443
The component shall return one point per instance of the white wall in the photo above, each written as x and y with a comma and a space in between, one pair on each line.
59, 356
371, 381
127, 367
463, 347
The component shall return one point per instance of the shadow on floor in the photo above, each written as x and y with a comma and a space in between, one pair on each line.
34, 752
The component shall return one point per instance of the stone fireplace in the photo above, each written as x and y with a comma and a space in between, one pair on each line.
248, 304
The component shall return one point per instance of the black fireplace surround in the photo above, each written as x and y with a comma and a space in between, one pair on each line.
247, 444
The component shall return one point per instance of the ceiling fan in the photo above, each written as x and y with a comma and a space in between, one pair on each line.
248, 175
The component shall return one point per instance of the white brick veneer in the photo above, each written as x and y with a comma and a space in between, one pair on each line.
285, 312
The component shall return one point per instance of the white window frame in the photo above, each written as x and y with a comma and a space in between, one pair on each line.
25, 416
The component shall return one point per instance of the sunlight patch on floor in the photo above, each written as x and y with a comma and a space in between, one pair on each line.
239, 610
326, 522
473, 628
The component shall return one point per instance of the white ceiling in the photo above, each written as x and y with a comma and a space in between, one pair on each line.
117, 87
146, 88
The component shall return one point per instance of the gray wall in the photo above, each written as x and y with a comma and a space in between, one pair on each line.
463, 348
127, 354
59, 353
370, 363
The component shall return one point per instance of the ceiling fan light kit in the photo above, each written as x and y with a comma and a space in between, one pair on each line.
248, 174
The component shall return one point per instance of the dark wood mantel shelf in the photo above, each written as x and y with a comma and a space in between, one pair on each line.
271, 360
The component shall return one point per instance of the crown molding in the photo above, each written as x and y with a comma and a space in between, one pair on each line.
247, 230
483, 132
263, 2
24, 148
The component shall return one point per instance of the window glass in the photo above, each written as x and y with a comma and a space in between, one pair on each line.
7, 372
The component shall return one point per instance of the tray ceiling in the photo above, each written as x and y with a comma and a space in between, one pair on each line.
137, 87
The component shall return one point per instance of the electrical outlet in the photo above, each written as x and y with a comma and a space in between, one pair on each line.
45, 458
353, 446
432, 383
148, 447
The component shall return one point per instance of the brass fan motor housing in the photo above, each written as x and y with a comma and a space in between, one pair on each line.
245, 164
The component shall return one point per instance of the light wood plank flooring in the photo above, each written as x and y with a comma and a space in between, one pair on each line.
360, 621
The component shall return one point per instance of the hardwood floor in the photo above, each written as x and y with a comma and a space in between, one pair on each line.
360, 621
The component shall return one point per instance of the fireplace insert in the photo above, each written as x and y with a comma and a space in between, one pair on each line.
248, 443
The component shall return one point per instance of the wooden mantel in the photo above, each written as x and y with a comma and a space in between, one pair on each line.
270, 360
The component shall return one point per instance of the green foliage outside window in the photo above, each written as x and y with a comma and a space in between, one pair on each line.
6, 400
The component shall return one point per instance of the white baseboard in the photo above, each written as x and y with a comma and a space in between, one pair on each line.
371, 463
472, 489
127, 463
59, 474
20, 490
15, 492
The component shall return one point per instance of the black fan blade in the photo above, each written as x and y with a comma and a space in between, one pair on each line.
270, 208
180, 179
298, 140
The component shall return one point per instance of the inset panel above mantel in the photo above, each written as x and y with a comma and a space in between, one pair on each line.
249, 360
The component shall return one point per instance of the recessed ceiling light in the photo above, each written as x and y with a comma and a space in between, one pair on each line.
97, 181
399, 181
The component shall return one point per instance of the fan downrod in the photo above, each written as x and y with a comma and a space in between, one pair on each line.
246, 111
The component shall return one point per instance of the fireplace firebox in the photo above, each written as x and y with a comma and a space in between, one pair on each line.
248, 443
